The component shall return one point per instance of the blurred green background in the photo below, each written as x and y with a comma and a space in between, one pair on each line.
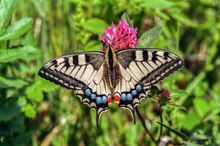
34, 111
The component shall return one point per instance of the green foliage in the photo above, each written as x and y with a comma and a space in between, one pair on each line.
36, 112
147, 39
8, 55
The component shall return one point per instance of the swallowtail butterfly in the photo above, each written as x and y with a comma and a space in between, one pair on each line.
124, 76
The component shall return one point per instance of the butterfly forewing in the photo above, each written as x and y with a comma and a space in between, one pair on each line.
82, 73
140, 69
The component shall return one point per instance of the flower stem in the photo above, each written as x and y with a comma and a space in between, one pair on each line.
144, 125
161, 121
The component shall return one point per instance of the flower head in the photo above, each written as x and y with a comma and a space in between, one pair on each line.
164, 93
163, 96
119, 37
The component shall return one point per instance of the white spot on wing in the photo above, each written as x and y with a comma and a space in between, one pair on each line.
139, 55
71, 61
59, 60
150, 55
160, 53
81, 59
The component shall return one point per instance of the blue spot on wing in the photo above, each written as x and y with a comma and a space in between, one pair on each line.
93, 96
129, 96
88, 92
104, 99
98, 100
134, 92
123, 96
138, 88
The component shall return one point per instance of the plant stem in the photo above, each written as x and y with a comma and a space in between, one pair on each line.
161, 121
144, 125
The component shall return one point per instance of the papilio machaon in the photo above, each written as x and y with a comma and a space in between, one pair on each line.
123, 76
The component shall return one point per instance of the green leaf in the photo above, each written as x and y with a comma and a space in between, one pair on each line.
34, 92
95, 25
8, 83
190, 120
201, 106
6, 9
22, 101
8, 55
16, 29
125, 17
182, 135
29, 110
147, 39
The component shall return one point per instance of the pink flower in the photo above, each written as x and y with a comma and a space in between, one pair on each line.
119, 37
163, 96
164, 93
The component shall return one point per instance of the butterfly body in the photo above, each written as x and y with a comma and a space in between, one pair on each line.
99, 78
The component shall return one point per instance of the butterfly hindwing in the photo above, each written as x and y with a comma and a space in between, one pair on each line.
140, 70
82, 73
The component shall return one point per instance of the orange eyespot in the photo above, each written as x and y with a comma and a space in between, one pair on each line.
109, 99
117, 98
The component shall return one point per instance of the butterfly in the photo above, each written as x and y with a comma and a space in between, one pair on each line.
98, 78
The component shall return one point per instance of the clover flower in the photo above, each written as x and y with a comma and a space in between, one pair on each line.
163, 96
119, 37
164, 93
